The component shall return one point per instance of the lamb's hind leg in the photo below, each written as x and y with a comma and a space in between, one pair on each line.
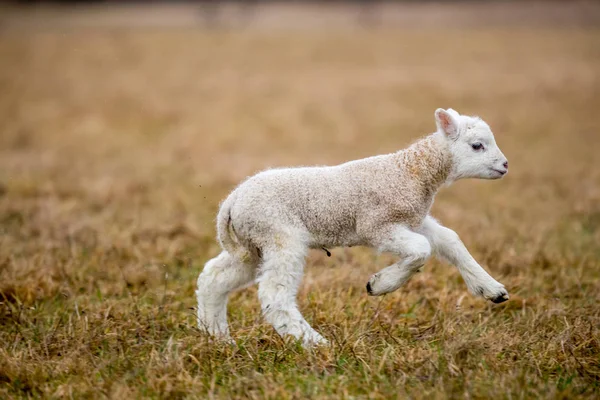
414, 250
220, 276
279, 278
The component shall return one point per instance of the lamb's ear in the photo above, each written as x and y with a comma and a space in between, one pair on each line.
446, 122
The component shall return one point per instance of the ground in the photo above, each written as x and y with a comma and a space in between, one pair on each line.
116, 146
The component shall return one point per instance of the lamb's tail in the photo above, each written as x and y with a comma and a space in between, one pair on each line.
225, 232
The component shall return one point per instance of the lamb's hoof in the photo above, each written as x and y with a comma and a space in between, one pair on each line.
369, 290
494, 292
315, 342
500, 299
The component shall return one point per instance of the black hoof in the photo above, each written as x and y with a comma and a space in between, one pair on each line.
500, 299
369, 290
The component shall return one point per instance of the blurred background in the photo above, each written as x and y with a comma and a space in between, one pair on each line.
124, 124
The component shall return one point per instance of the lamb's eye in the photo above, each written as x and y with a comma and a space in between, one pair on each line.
477, 146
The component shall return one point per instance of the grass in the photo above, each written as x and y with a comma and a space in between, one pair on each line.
116, 147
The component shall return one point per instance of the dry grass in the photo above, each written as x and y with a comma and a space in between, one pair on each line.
116, 147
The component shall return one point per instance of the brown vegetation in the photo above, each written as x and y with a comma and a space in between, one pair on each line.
117, 146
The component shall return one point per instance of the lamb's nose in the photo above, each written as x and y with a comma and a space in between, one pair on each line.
505, 164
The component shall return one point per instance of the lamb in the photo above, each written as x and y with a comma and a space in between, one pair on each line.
268, 223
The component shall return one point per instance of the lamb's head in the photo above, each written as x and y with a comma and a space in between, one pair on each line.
470, 140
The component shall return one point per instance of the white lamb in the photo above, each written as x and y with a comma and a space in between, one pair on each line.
268, 223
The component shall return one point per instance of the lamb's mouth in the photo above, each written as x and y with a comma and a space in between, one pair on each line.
501, 173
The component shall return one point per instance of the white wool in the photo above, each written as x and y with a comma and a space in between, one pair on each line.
268, 223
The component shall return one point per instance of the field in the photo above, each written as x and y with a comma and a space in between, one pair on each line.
117, 145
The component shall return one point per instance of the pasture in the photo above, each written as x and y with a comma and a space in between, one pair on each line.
117, 145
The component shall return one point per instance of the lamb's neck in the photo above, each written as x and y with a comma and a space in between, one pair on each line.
428, 162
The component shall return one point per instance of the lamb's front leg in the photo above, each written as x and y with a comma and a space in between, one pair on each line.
412, 247
447, 244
